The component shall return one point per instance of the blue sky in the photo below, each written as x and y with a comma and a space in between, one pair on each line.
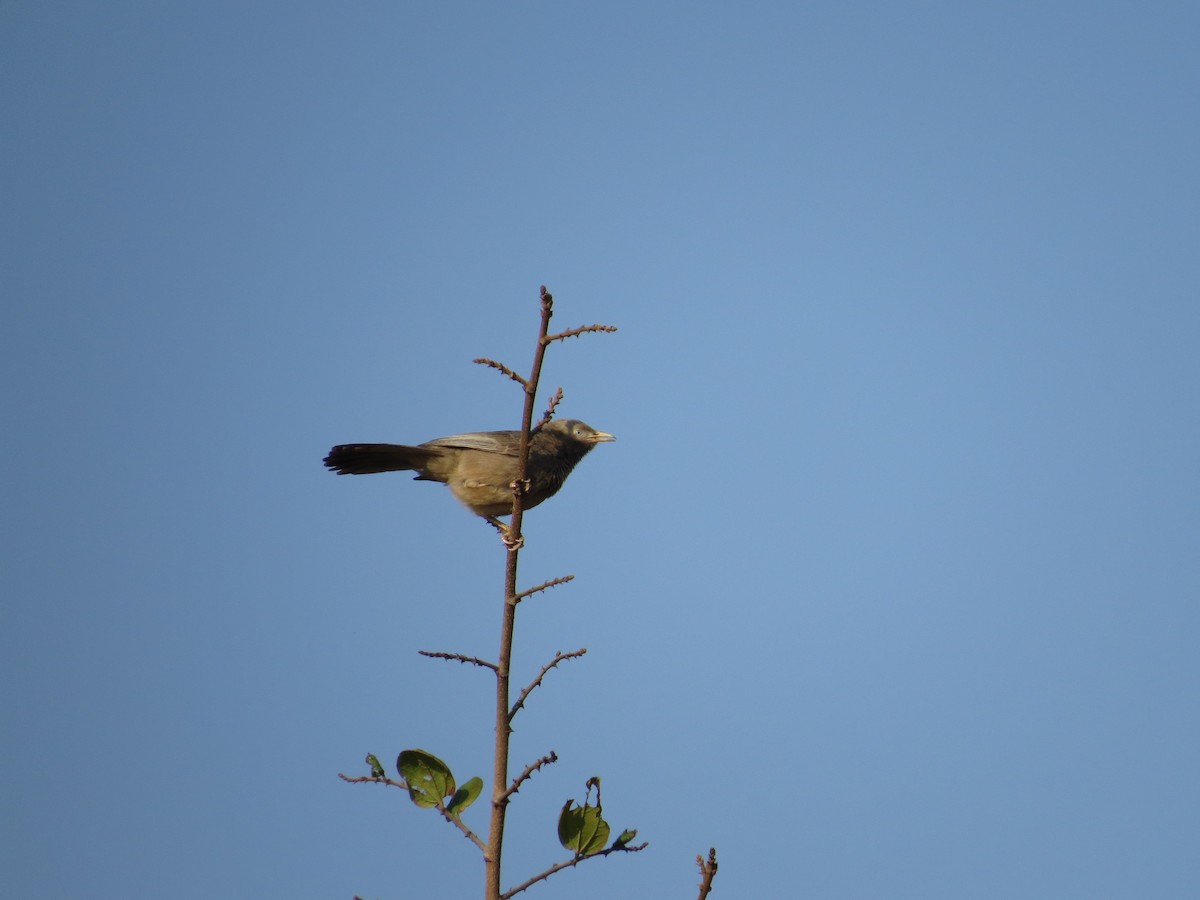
890, 584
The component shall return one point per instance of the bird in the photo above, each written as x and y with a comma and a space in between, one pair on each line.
480, 467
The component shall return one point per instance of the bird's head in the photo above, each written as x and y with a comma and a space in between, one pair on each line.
575, 430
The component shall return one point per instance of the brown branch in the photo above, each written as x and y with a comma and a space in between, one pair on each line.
373, 779
528, 771
458, 823
513, 541
707, 871
550, 407
558, 657
545, 585
501, 367
567, 864
446, 814
576, 332
458, 657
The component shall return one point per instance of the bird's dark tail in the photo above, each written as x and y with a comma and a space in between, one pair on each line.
367, 459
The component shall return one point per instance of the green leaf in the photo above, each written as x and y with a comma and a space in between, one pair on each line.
466, 795
428, 778
626, 836
582, 830
376, 766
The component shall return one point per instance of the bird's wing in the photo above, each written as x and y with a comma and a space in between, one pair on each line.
506, 442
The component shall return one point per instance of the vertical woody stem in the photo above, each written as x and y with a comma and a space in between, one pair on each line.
503, 729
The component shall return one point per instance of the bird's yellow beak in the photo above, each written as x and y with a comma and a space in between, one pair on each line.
600, 437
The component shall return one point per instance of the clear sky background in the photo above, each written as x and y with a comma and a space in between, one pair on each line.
890, 585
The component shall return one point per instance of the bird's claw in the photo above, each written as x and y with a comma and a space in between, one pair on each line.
505, 532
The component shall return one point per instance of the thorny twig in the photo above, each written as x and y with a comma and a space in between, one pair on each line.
501, 367
373, 779
545, 585
546, 760
568, 863
558, 657
450, 817
576, 332
458, 657
458, 823
550, 407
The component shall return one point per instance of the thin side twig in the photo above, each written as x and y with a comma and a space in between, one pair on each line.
501, 367
576, 332
528, 771
707, 871
461, 826
558, 657
458, 657
372, 779
567, 864
441, 807
550, 407
545, 585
